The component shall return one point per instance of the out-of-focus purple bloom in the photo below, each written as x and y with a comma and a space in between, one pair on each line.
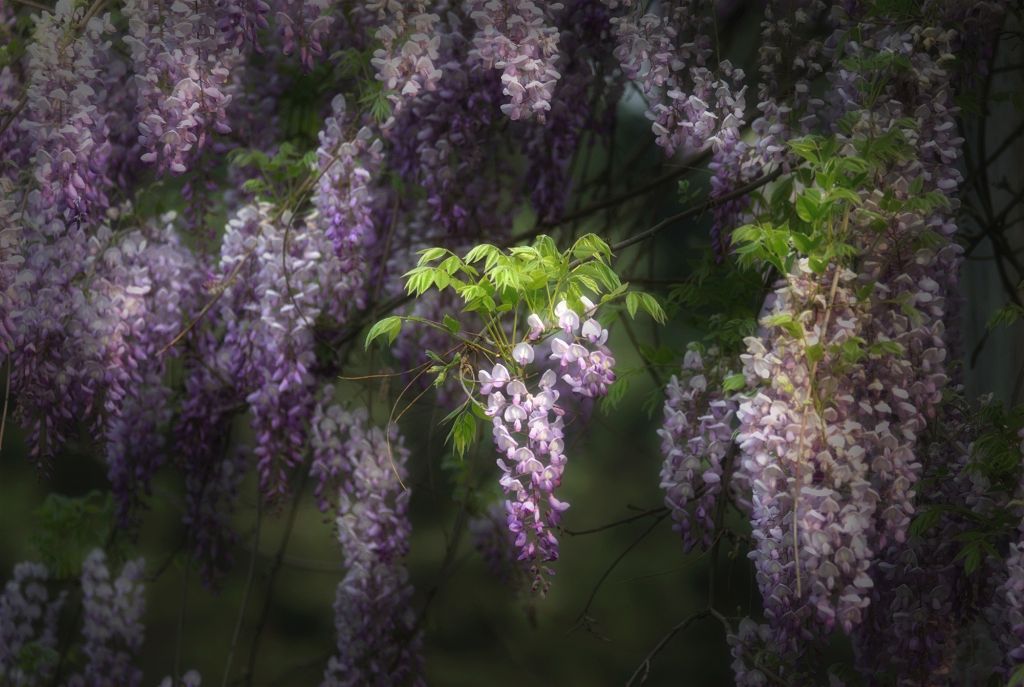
377, 642
695, 439
28, 622
112, 623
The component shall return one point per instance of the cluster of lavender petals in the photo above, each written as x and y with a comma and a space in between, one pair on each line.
528, 429
410, 39
442, 141
302, 25
377, 642
183, 65
1006, 612
516, 37
28, 620
898, 268
112, 623
66, 123
755, 653
696, 439
295, 276
791, 56
859, 451
670, 59
923, 597
804, 454
344, 197
143, 284
585, 30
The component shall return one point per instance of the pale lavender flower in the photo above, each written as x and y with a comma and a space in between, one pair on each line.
112, 623
514, 37
696, 438
28, 622
377, 641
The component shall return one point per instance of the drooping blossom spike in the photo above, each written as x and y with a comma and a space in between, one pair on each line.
695, 439
528, 433
344, 197
514, 37
28, 618
803, 455
112, 623
410, 38
302, 25
66, 121
923, 596
377, 642
670, 58
183, 66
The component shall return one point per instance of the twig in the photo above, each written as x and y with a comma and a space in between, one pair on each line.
180, 631
644, 669
37, 5
7, 397
617, 523
274, 569
615, 563
709, 204
628, 195
245, 594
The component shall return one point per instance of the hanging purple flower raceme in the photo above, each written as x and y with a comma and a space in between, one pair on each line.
302, 25
295, 276
905, 390
791, 56
28, 622
696, 438
803, 455
923, 597
213, 470
112, 623
240, 21
378, 642
756, 655
65, 123
516, 38
528, 430
344, 197
183, 64
142, 291
408, 32
584, 30
669, 58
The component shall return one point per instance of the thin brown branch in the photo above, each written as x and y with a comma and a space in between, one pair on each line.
616, 523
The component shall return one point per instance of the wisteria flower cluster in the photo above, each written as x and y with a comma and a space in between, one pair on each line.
696, 439
528, 428
28, 620
513, 36
378, 637
205, 207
